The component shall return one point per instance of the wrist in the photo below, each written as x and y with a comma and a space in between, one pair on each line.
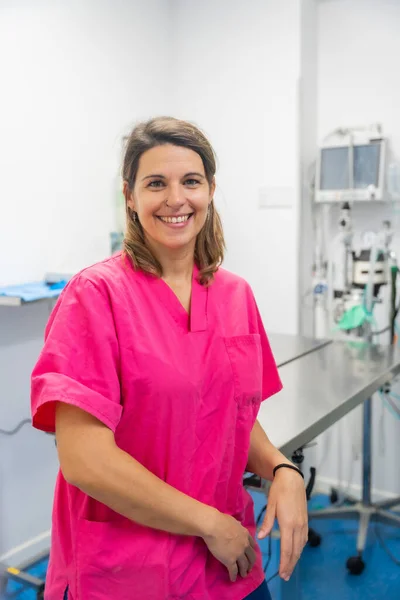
206, 521
288, 468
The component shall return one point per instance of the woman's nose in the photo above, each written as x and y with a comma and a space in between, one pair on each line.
175, 197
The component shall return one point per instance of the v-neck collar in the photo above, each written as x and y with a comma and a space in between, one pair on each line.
197, 320
198, 304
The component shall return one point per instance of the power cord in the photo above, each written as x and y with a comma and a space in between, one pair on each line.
378, 534
395, 409
387, 399
16, 429
273, 577
269, 554
260, 516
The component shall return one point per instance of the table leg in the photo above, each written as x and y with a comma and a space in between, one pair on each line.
366, 458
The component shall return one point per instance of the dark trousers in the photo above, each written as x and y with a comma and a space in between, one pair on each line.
261, 593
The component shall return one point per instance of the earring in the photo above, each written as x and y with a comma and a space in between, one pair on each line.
134, 216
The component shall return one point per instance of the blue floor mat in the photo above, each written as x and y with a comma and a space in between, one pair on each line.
323, 572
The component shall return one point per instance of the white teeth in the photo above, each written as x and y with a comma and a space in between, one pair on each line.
175, 219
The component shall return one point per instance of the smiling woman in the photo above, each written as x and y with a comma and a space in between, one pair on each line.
169, 184
154, 367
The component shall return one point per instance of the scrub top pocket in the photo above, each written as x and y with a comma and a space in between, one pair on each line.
245, 355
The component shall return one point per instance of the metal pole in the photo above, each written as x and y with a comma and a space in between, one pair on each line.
367, 460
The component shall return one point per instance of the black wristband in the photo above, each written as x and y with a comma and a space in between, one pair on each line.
286, 466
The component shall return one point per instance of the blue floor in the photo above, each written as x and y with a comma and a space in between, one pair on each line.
322, 570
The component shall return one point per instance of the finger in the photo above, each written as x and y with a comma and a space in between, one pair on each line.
252, 542
243, 565
233, 572
251, 557
298, 546
268, 522
286, 553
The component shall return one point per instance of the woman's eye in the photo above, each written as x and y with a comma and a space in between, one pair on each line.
158, 183
155, 184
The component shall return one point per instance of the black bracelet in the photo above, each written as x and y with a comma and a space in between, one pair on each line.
286, 466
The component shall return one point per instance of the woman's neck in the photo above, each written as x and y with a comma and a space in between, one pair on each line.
179, 270
177, 264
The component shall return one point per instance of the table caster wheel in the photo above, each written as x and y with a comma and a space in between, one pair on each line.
355, 565
314, 539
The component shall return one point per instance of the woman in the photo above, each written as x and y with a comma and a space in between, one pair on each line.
153, 370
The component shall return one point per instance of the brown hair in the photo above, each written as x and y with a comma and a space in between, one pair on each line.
210, 244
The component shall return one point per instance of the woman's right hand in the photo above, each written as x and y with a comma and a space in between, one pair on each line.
231, 544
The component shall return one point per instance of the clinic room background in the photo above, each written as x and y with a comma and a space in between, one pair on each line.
273, 84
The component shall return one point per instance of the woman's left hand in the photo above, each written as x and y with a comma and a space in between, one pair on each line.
287, 503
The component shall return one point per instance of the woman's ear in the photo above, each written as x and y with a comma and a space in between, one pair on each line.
128, 196
212, 188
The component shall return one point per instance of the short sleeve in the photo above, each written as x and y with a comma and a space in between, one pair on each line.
271, 382
79, 361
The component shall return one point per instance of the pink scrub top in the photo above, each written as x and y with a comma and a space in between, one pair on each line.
181, 396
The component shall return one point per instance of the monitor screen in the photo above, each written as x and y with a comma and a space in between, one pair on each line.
366, 165
334, 169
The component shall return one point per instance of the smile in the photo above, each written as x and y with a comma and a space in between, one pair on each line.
179, 221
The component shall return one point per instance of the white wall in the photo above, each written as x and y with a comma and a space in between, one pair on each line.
236, 72
77, 75
358, 52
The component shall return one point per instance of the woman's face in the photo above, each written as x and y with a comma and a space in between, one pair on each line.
171, 196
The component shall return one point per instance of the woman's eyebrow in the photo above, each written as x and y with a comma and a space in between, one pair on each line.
194, 173
163, 176
154, 175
